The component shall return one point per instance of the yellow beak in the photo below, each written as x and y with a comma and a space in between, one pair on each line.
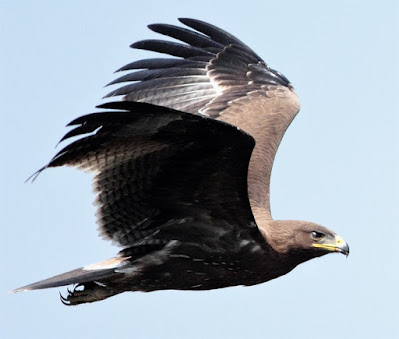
337, 245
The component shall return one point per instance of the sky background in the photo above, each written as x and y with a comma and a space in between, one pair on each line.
337, 165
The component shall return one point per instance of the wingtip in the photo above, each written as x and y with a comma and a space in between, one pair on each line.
20, 289
184, 20
193, 23
34, 176
136, 44
153, 27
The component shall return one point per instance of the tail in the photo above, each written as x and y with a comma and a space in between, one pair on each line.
78, 276
89, 274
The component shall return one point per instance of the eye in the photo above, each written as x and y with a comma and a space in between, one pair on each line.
317, 235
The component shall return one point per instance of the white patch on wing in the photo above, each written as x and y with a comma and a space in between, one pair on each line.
106, 264
244, 243
196, 286
179, 256
128, 270
256, 248
149, 260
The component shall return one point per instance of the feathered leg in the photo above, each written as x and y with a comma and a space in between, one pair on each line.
87, 293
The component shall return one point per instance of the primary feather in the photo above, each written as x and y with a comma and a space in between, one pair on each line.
182, 171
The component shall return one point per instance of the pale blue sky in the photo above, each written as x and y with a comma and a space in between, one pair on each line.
337, 165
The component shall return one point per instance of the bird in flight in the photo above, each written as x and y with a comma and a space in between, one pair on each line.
182, 169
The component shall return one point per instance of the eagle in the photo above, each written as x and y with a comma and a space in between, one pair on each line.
182, 168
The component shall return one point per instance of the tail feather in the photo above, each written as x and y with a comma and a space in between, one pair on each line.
102, 270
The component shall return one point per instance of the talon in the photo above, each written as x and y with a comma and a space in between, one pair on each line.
64, 300
86, 293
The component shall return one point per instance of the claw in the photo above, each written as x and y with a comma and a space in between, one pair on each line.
64, 300
85, 293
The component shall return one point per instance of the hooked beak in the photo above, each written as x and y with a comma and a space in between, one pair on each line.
336, 245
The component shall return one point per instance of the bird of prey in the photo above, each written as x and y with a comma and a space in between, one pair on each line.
182, 171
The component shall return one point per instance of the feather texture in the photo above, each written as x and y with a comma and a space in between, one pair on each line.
182, 171
211, 64
154, 165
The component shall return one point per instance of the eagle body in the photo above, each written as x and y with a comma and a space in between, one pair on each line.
182, 170
190, 266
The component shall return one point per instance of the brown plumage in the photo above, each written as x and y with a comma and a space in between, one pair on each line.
182, 170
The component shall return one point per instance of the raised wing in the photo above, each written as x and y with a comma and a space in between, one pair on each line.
212, 68
215, 74
158, 171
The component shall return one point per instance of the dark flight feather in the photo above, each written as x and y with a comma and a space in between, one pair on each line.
227, 63
150, 160
182, 171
